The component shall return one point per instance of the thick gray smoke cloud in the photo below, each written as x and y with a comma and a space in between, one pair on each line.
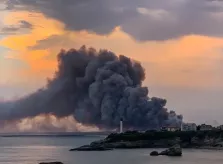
97, 88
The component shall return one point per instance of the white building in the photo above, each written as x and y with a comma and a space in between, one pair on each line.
170, 128
220, 127
121, 126
205, 127
188, 127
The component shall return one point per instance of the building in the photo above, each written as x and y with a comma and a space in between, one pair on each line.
121, 126
205, 127
220, 127
170, 128
188, 127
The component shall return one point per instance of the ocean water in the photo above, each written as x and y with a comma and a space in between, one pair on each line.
35, 149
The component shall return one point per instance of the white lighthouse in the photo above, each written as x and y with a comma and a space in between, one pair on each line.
121, 125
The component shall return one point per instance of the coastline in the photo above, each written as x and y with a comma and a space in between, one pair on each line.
210, 140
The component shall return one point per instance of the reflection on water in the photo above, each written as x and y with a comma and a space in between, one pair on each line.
32, 150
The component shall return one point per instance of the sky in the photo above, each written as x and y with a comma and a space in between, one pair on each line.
179, 43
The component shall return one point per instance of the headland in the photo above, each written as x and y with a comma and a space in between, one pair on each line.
157, 139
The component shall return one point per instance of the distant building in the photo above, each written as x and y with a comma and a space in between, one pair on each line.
220, 127
205, 127
170, 128
188, 127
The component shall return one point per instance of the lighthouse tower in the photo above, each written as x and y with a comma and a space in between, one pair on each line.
121, 125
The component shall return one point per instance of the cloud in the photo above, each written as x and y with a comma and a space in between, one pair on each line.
142, 19
25, 24
53, 40
14, 29
45, 123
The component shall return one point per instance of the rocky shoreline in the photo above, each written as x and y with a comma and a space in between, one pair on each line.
150, 139
51, 163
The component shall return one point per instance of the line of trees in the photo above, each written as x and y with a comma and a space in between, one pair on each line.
155, 135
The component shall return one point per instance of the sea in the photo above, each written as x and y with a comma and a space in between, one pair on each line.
33, 149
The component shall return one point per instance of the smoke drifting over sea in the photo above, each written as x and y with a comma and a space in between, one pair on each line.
97, 88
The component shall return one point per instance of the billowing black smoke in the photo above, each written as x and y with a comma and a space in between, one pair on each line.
97, 88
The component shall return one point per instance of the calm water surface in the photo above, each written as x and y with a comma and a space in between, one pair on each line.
32, 150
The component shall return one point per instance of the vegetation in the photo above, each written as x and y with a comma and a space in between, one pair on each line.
158, 139
184, 136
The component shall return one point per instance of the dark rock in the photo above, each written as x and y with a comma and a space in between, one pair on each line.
90, 148
218, 144
173, 151
154, 153
51, 163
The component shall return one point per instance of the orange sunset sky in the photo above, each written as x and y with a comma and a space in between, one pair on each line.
178, 42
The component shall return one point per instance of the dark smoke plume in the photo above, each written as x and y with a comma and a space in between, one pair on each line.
97, 88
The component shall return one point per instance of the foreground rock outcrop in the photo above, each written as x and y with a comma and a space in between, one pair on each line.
154, 153
173, 151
